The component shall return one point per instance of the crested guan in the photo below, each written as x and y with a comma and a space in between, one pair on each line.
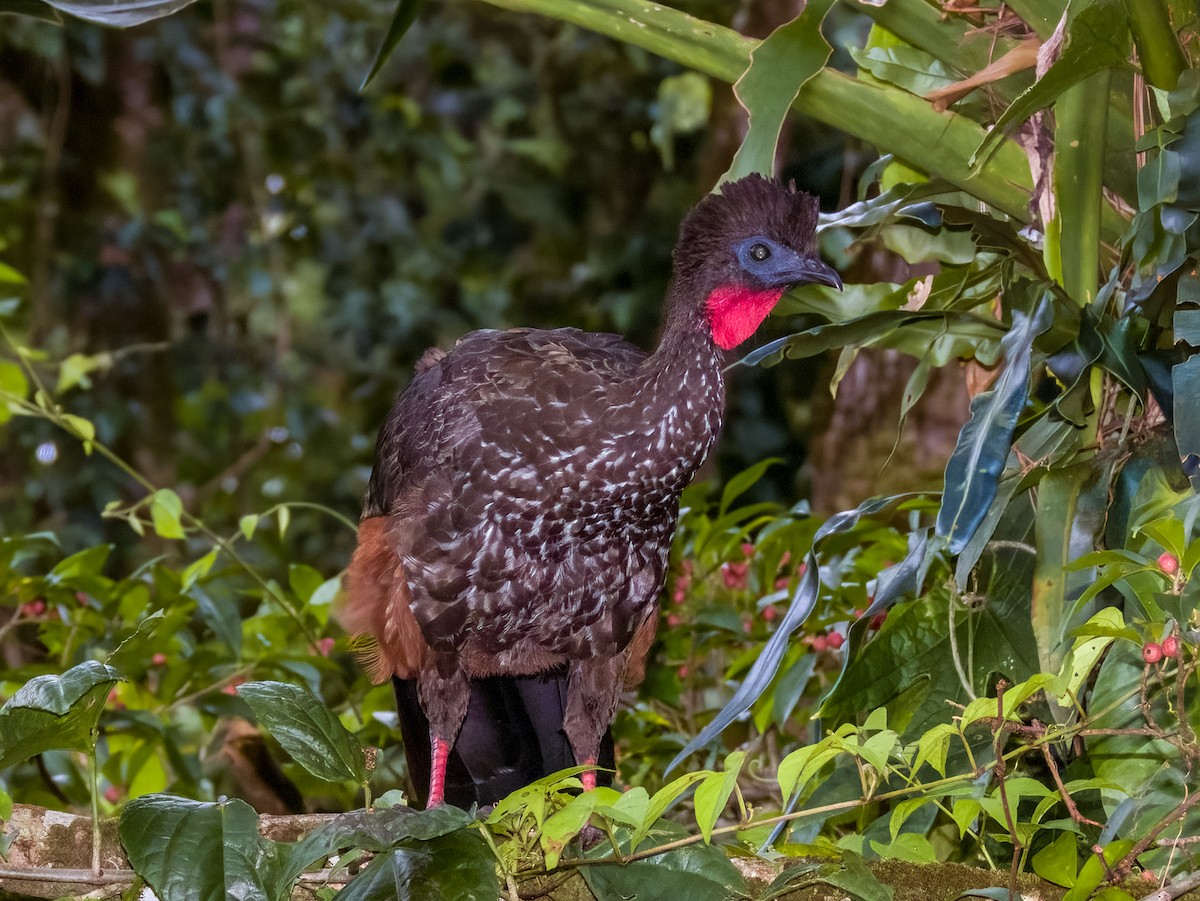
515, 531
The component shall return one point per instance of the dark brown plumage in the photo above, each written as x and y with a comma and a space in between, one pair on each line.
526, 483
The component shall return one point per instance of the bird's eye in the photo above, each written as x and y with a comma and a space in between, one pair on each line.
759, 252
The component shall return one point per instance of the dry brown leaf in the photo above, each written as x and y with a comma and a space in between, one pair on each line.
1023, 56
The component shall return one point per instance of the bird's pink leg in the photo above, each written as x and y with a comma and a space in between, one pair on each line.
437, 773
588, 777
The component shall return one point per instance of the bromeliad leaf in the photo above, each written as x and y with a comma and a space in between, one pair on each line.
119, 13
306, 729
974, 469
762, 673
779, 66
50, 712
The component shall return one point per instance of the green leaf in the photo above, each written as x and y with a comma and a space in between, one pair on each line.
661, 800
854, 877
247, 524
1097, 38
9, 275
713, 793
564, 824
121, 13
779, 67
1094, 871
406, 13
1058, 861
12, 381
166, 510
50, 712
198, 569
35, 9
85, 563
307, 730
743, 481
974, 469
695, 873
81, 428
458, 865
76, 369
201, 851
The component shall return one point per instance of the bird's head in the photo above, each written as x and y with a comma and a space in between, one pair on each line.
742, 248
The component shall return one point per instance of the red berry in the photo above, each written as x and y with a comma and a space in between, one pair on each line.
748, 549
34, 608
112, 794
769, 612
1170, 646
680, 595
683, 671
159, 659
819, 643
324, 646
1152, 652
1168, 563
673, 620
835, 639
734, 574
878, 620
782, 583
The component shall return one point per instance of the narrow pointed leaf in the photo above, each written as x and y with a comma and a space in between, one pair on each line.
779, 66
307, 730
406, 13
974, 469
119, 13
713, 793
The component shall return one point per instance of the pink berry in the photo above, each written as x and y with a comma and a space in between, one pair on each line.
673, 620
1168, 563
782, 583
819, 643
835, 639
769, 613
112, 794
34, 608
159, 659
1170, 646
680, 595
683, 671
324, 646
734, 574
1152, 652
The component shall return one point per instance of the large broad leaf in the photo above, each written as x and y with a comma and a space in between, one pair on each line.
916, 663
761, 674
695, 872
194, 851
307, 730
458, 865
779, 66
974, 469
51, 712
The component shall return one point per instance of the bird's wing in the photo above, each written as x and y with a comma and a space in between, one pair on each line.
497, 390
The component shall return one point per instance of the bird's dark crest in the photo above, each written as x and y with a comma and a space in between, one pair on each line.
750, 206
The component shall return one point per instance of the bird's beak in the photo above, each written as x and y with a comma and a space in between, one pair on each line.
814, 272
